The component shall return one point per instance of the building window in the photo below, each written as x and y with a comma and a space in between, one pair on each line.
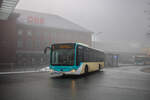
38, 35
20, 44
37, 43
29, 43
20, 39
20, 32
29, 33
46, 41
46, 36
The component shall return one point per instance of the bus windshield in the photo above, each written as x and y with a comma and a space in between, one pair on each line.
62, 57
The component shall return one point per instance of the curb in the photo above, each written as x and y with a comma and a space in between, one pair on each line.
21, 72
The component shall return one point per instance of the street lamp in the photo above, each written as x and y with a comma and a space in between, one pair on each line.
95, 34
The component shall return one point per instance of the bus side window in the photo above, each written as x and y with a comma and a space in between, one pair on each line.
80, 54
86, 55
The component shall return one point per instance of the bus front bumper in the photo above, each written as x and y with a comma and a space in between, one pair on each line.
60, 73
55, 74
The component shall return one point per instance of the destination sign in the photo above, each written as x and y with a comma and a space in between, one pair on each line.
63, 46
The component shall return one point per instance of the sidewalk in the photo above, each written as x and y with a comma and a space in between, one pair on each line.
24, 70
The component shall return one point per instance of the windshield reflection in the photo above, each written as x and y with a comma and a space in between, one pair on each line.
62, 57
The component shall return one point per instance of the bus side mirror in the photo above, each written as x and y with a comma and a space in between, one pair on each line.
45, 50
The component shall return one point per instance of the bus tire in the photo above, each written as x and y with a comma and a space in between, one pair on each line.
86, 70
100, 67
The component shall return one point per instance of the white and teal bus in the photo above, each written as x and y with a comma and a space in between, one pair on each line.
142, 60
74, 59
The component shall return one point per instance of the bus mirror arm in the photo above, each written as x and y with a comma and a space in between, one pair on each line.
45, 50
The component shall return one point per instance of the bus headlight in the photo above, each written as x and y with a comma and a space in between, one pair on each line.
51, 70
73, 71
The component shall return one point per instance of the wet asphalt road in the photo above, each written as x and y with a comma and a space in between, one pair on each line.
119, 83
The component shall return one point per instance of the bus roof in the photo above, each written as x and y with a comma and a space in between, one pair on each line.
89, 46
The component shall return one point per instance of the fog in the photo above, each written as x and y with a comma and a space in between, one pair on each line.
122, 23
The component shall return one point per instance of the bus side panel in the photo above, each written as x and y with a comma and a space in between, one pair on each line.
92, 66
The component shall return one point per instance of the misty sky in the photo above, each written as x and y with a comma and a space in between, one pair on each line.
118, 20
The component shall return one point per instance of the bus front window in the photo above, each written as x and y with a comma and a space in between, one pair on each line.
62, 57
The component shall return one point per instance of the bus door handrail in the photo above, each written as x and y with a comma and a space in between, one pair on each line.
45, 50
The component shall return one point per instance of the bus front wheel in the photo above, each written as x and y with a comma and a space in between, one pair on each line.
86, 69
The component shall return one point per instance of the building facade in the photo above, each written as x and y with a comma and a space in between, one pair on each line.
25, 34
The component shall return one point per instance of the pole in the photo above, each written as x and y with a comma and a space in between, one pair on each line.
95, 38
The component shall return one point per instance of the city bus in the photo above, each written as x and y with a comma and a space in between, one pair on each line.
142, 60
139, 60
74, 59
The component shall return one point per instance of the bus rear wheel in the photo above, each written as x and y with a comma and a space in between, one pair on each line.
86, 70
100, 67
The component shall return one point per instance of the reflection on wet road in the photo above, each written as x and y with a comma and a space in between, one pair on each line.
122, 83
